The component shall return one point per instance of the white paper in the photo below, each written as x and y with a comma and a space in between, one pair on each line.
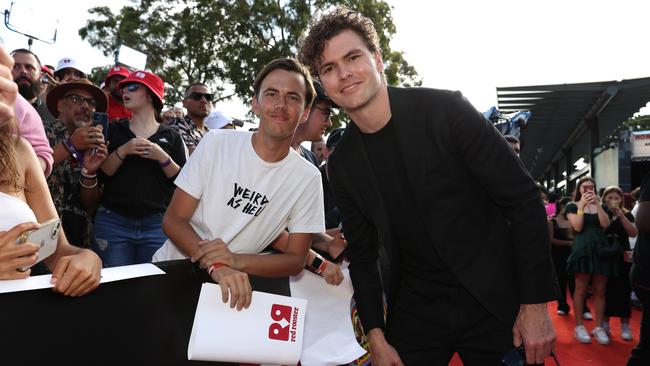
108, 275
270, 331
329, 335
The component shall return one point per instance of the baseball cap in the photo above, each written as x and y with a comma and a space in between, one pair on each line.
148, 79
117, 70
216, 120
68, 62
320, 93
334, 137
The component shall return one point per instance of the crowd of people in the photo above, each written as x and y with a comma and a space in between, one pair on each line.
450, 245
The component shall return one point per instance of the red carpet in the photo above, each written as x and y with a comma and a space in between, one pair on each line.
570, 352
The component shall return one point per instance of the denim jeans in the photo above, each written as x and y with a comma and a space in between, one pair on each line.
121, 241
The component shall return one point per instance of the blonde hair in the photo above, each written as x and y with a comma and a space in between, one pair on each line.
9, 139
614, 189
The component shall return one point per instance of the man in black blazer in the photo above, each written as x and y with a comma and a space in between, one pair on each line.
428, 188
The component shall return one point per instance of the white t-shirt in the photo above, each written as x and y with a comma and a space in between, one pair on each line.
244, 200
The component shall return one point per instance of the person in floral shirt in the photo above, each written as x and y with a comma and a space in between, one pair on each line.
198, 102
73, 139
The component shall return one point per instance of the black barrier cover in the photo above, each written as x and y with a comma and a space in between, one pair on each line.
145, 321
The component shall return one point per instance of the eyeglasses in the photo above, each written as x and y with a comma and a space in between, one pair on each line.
79, 100
131, 87
197, 96
326, 112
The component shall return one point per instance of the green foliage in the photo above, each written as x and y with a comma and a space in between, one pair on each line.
639, 123
98, 73
223, 43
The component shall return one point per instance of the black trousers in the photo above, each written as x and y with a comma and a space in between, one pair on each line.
431, 321
641, 284
560, 254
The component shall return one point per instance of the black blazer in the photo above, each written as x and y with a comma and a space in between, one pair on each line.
479, 205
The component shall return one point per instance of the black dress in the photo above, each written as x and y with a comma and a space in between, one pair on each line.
617, 294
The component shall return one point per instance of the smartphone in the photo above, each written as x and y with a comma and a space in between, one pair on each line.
101, 119
515, 357
46, 237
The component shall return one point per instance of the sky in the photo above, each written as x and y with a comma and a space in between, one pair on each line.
469, 45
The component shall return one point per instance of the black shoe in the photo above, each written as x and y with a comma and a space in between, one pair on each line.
563, 309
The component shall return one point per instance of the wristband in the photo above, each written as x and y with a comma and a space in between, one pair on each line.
67, 143
321, 268
215, 266
581, 212
166, 163
117, 153
84, 173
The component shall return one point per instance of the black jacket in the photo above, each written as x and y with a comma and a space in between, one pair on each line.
480, 207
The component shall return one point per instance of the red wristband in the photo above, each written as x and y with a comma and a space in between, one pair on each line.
215, 266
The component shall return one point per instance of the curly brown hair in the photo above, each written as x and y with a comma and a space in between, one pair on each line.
330, 25
10, 175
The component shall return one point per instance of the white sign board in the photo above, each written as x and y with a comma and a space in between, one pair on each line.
640, 141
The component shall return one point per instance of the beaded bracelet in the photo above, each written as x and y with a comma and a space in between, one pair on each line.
84, 173
90, 186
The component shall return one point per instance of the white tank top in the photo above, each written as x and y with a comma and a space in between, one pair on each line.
14, 211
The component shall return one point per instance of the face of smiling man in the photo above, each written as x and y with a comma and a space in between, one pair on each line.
280, 104
350, 73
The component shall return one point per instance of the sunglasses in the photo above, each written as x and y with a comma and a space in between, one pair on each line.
79, 100
131, 87
197, 96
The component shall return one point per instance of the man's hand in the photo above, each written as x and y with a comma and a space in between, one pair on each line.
237, 284
534, 329
381, 352
333, 274
78, 274
337, 244
87, 137
214, 251
93, 158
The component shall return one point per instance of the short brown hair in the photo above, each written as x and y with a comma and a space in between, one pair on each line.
330, 25
288, 64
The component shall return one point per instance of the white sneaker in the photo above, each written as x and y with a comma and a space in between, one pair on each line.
600, 335
626, 332
581, 334
587, 316
607, 330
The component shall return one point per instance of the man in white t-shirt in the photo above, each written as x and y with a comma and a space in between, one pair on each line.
240, 190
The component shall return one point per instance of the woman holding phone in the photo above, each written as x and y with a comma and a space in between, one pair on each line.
137, 176
25, 200
588, 220
617, 294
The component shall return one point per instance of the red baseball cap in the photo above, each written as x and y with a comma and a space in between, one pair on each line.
117, 70
150, 80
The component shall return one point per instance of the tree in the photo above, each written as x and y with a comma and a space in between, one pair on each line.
225, 42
